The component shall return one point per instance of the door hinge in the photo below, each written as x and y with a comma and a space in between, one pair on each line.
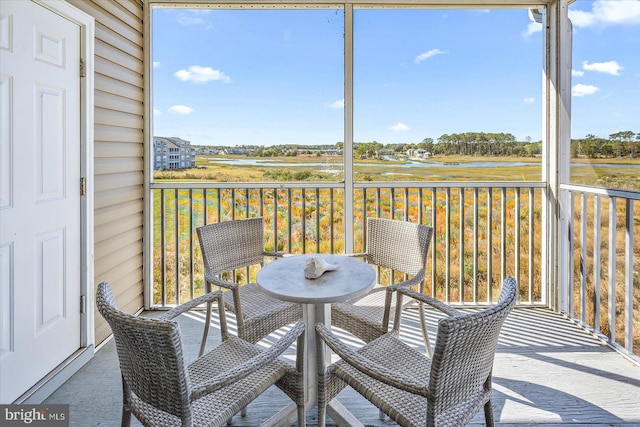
82, 68
83, 304
83, 186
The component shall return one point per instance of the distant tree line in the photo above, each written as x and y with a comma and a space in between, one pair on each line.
619, 144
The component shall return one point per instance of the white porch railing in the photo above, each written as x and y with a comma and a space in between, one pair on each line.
605, 261
483, 231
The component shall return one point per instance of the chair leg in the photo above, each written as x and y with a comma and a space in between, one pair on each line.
425, 332
322, 400
205, 334
488, 414
382, 415
126, 411
126, 416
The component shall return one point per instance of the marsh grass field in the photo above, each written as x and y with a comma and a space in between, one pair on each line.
301, 220
622, 173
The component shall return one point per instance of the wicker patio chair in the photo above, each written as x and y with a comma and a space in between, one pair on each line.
402, 247
161, 390
231, 245
414, 390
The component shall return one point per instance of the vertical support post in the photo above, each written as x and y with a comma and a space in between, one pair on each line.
557, 120
348, 129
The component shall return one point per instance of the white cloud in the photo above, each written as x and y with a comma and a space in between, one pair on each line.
338, 104
607, 12
156, 112
577, 73
198, 74
529, 100
532, 28
580, 90
193, 17
399, 127
610, 67
156, 64
426, 55
180, 109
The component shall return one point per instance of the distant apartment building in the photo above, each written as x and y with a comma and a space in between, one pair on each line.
173, 153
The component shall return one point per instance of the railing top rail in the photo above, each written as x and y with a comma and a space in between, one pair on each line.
451, 184
610, 192
375, 184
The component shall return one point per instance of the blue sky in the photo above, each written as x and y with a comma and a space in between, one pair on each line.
264, 77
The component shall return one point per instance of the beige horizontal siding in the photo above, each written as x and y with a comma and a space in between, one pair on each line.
117, 74
114, 102
119, 152
115, 213
119, 149
119, 196
106, 84
115, 134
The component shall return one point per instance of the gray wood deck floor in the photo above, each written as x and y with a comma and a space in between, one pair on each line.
547, 372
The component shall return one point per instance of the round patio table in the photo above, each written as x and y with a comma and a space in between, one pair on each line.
284, 279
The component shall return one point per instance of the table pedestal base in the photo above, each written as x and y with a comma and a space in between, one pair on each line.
312, 314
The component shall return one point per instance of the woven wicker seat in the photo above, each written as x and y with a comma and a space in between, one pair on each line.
446, 390
161, 390
231, 245
400, 246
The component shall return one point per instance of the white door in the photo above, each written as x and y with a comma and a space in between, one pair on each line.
39, 194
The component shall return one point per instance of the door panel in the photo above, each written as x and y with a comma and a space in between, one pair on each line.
40, 219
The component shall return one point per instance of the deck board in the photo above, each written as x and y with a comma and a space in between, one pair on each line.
547, 372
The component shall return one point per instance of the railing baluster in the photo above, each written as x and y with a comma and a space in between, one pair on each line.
289, 219
176, 228
516, 231
317, 220
392, 204
219, 204
583, 258
571, 257
596, 263
531, 247
476, 237
447, 236
628, 279
163, 248
304, 221
191, 230
233, 204
611, 298
503, 227
331, 219
489, 243
434, 241
461, 248
405, 216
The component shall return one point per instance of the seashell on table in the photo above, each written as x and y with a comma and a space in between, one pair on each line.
315, 267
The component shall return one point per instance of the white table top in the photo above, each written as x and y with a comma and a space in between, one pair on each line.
284, 279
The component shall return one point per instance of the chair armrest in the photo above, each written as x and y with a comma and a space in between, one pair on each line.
215, 280
415, 280
447, 309
369, 367
250, 366
183, 308
274, 254
358, 255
